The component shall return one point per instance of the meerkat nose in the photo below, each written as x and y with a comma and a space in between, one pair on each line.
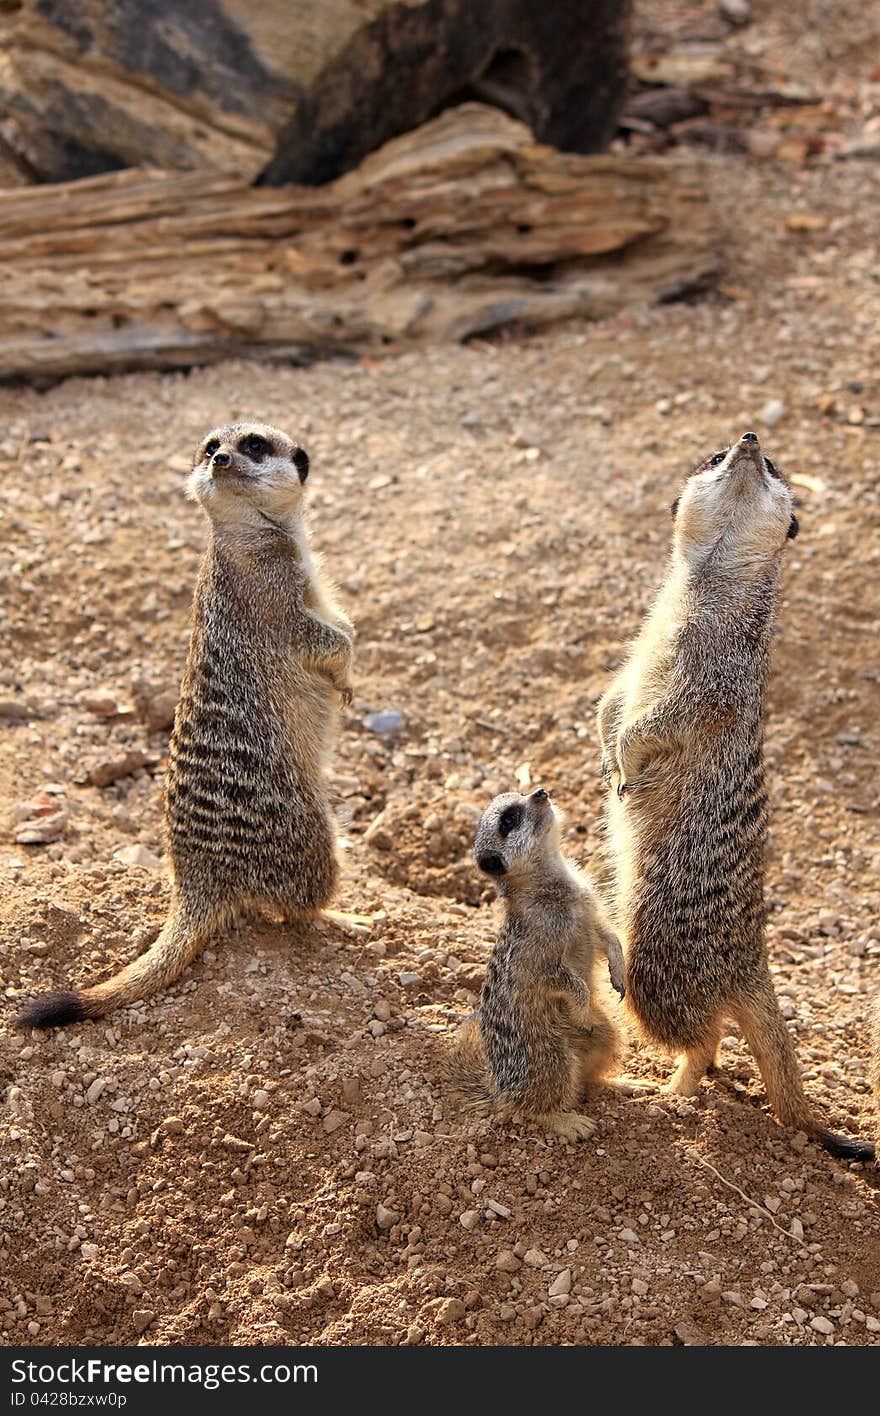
221, 459
749, 438
539, 795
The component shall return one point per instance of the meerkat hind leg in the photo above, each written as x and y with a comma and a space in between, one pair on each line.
693, 1065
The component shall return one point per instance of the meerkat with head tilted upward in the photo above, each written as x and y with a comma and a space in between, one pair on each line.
682, 730
539, 1035
248, 823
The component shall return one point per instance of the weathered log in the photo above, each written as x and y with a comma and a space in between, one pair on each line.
454, 230
306, 86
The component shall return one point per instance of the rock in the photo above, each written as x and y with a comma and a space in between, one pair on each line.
738, 12
772, 412
43, 829
105, 705
821, 1324
333, 1120
138, 856
689, 1334
17, 710
535, 1258
172, 1126
378, 834
307, 89
507, 1261
115, 768
639, 1286
95, 1090
89, 1251
561, 1284
628, 1236
501, 1210
260, 1100
142, 1318
469, 1219
450, 1311
351, 1090
386, 723
385, 1218
155, 705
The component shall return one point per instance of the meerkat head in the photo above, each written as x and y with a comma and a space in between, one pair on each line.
517, 836
736, 507
249, 477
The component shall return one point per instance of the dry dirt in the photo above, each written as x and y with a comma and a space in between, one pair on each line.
209, 1167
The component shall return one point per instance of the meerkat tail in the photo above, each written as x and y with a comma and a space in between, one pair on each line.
467, 1070
766, 1034
179, 940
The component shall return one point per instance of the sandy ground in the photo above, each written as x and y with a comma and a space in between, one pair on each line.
265, 1154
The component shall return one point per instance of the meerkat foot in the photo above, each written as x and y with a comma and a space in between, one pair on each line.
571, 1125
691, 1069
351, 923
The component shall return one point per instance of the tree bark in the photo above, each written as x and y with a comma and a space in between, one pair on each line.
455, 230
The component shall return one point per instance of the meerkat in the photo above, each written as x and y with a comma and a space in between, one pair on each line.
681, 729
538, 1036
248, 824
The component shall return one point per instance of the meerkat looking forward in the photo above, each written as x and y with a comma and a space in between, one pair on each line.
247, 818
538, 1036
682, 742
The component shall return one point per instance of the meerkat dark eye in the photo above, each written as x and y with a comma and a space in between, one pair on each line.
211, 447
509, 819
716, 458
300, 459
255, 447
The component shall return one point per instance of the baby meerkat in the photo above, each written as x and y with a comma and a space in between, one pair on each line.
248, 823
682, 732
538, 1036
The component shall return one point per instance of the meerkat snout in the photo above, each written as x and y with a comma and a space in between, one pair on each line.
492, 864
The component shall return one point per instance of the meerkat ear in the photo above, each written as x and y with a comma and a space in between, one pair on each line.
673, 510
492, 864
301, 462
794, 527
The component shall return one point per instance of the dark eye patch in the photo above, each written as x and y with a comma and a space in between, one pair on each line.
717, 457
772, 468
794, 527
301, 462
255, 447
211, 447
509, 819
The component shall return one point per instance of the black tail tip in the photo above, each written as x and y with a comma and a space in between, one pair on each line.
846, 1147
51, 1010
